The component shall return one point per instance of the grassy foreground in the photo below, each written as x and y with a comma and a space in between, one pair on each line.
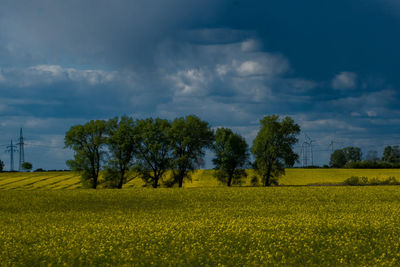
200, 178
193, 226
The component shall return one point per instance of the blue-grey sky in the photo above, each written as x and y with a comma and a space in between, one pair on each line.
333, 66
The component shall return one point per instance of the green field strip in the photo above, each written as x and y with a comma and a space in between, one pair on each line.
60, 185
45, 181
200, 178
6, 179
62, 180
49, 185
17, 180
65, 183
26, 183
7, 175
70, 186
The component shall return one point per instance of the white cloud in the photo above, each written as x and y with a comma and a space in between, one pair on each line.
47, 74
344, 80
222, 69
267, 64
250, 45
191, 82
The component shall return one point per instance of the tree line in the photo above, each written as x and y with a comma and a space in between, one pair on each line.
351, 157
125, 148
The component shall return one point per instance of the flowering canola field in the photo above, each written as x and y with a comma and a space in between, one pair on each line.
200, 178
201, 226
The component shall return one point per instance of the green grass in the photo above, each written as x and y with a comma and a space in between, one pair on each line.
201, 226
200, 178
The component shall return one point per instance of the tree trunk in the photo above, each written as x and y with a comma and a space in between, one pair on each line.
180, 177
230, 179
121, 180
94, 182
155, 183
268, 177
94, 185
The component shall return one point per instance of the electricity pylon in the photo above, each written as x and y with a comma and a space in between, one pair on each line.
21, 150
11, 149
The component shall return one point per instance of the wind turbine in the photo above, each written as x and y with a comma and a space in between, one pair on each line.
311, 151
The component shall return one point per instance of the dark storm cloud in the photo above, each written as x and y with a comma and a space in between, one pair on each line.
330, 65
117, 32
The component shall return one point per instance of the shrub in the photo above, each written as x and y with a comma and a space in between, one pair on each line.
254, 181
355, 180
391, 181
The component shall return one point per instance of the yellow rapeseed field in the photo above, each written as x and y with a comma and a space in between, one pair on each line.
200, 178
253, 226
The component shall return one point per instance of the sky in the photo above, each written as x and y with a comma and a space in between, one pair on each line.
333, 66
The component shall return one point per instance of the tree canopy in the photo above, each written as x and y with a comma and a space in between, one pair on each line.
338, 159
154, 150
189, 137
87, 141
231, 156
341, 157
122, 149
26, 166
391, 154
273, 147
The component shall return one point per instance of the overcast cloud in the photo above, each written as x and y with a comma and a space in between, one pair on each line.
333, 67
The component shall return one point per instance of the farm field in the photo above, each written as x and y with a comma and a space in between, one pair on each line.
201, 178
201, 226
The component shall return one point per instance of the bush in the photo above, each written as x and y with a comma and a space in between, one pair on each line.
374, 181
254, 181
238, 178
391, 181
355, 180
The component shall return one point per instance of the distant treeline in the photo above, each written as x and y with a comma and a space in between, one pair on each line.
150, 147
351, 157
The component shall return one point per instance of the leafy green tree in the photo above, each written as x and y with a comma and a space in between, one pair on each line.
88, 142
1, 165
391, 154
338, 159
121, 145
26, 166
154, 151
273, 147
189, 137
341, 157
231, 156
353, 154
